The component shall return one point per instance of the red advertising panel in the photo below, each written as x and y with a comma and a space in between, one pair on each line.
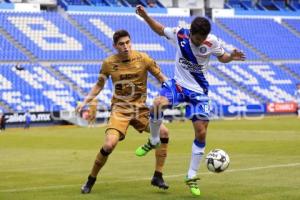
288, 107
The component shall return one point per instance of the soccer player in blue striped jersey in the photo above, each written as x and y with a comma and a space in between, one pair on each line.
194, 48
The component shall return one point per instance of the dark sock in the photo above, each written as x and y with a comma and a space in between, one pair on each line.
157, 174
91, 180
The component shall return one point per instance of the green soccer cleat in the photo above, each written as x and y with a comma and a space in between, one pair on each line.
144, 149
192, 183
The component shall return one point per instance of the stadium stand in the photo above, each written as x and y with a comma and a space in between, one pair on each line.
35, 88
103, 26
266, 80
230, 42
295, 68
76, 2
295, 4
259, 32
48, 36
67, 59
10, 53
295, 23
113, 3
85, 76
240, 5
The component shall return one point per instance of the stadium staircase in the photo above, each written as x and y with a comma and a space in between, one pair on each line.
67, 115
88, 34
291, 28
266, 35
64, 79
237, 84
290, 71
19, 46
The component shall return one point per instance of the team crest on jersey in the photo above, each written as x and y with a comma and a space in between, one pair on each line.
203, 49
115, 68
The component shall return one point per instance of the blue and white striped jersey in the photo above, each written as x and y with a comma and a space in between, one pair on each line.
191, 61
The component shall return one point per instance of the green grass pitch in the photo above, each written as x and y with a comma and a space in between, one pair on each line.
51, 163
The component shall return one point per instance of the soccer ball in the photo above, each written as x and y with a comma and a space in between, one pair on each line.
217, 160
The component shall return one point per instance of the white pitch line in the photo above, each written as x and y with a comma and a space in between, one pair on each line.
144, 178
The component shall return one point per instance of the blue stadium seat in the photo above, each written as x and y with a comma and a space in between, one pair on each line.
49, 36
134, 3
295, 23
295, 68
35, 88
235, 4
230, 42
99, 2
76, 2
103, 26
9, 53
266, 80
295, 4
266, 36
267, 5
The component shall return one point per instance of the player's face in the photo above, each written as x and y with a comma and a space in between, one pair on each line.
197, 39
123, 46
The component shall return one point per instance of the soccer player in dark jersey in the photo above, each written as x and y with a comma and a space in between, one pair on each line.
128, 70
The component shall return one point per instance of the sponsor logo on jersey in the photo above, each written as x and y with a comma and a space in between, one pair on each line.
128, 76
114, 68
192, 67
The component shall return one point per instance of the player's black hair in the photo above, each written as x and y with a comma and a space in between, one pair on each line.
200, 25
120, 33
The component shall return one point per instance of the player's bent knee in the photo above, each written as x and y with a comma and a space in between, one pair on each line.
160, 101
156, 102
109, 146
164, 132
112, 138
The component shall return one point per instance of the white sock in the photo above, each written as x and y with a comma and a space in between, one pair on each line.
197, 155
154, 131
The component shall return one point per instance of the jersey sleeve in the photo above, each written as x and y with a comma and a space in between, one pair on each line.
103, 74
217, 47
171, 34
152, 67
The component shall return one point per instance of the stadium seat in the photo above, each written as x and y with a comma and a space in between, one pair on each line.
36, 89
294, 23
48, 36
268, 81
266, 36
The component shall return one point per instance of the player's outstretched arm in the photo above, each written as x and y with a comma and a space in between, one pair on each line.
235, 55
154, 25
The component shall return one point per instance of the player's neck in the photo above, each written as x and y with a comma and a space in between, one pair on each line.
124, 56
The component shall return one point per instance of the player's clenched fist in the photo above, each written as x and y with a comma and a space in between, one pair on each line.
141, 11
